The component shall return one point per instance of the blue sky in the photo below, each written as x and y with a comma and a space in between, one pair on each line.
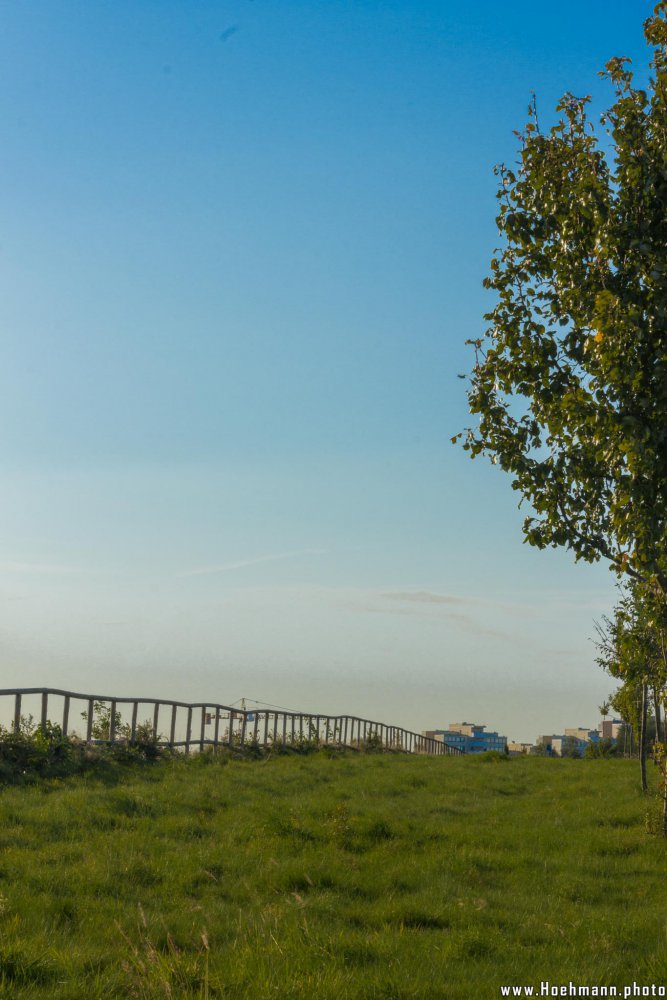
241, 248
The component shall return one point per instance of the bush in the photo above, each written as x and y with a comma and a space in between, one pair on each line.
602, 748
36, 751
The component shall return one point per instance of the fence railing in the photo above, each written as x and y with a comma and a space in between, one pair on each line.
194, 726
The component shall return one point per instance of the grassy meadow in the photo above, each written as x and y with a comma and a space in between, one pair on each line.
361, 876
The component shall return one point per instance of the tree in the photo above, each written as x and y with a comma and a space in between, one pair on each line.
601, 748
633, 647
570, 379
570, 747
629, 648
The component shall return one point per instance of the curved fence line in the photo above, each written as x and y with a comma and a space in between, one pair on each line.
196, 725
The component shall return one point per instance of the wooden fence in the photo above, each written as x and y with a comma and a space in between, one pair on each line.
199, 725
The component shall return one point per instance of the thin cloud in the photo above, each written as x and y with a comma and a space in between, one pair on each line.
425, 597
428, 597
243, 563
423, 605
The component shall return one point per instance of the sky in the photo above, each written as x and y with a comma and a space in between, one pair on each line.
242, 246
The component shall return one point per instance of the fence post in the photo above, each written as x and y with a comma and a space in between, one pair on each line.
202, 729
188, 732
243, 729
216, 732
65, 714
45, 702
89, 721
266, 729
156, 716
230, 731
133, 730
17, 713
112, 721
172, 727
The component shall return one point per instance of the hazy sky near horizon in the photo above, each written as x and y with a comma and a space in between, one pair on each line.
241, 249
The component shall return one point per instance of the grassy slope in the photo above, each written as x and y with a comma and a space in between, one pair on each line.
370, 877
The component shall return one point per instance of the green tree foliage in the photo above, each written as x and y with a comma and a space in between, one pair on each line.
570, 379
632, 647
601, 748
631, 644
570, 747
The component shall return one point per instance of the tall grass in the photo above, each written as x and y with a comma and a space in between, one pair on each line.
329, 876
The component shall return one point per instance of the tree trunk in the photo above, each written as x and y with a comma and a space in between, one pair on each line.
642, 736
658, 723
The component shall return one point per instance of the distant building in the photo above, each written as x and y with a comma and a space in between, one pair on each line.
468, 737
515, 749
569, 746
581, 733
548, 743
610, 728
573, 740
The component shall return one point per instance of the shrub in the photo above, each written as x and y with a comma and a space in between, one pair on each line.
602, 748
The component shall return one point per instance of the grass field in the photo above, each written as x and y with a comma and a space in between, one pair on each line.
360, 876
